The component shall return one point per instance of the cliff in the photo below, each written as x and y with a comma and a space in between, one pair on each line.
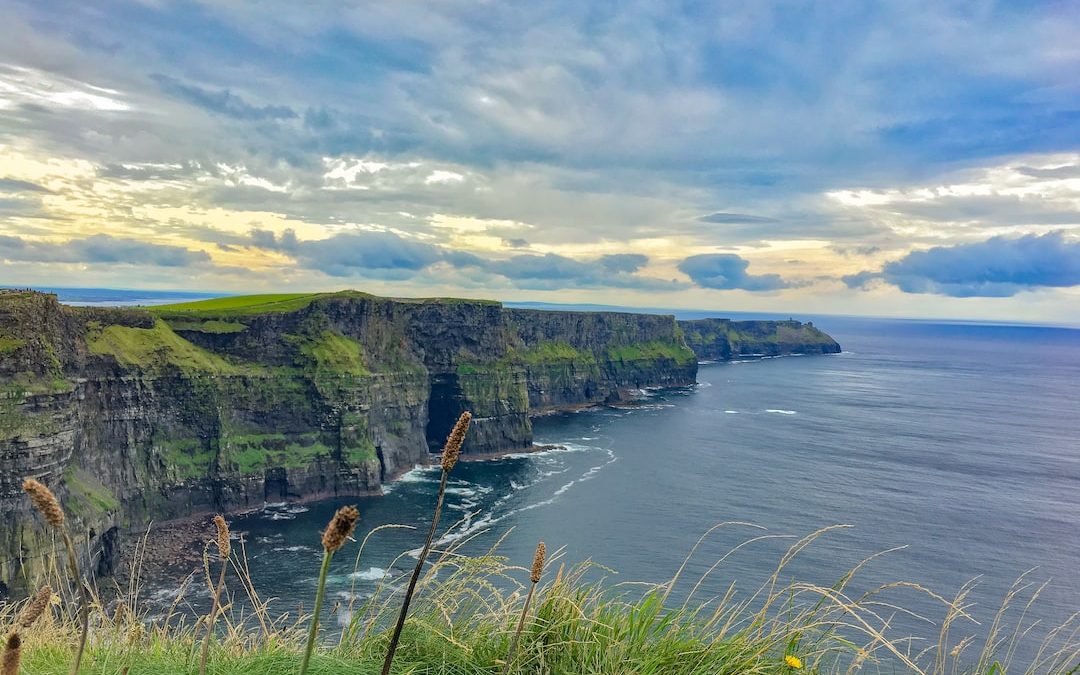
133, 415
723, 339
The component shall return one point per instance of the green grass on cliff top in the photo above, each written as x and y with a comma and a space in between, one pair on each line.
244, 305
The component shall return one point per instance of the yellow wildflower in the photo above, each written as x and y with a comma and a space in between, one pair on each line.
793, 661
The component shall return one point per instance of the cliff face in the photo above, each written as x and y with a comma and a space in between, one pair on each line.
723, 339
135, 415
132, 415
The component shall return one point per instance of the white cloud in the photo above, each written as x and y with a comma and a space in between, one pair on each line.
19, 85
440, 177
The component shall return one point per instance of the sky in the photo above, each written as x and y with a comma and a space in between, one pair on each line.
908, 158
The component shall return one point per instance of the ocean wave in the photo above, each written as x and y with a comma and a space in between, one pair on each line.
282, 510
778, 411
418, 474
293, 549
470, 524
370, 574
561, 448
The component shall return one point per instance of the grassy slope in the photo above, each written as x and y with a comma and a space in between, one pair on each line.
466, 609
155, 348
241, 304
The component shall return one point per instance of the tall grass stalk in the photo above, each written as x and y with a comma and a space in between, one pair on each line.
534, 578
48, 505
451, 452
337, 532
223, 547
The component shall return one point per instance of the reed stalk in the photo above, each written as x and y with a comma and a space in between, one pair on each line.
337, 532
224, 548
534, 578
48, 505
451, 452
35, 607
12, 654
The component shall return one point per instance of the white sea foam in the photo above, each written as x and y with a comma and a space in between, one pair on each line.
470, 525
777, 411
370, 574
418, 474
292, 549
732, 412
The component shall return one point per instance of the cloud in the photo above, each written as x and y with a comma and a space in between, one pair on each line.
860, 279
379, 254
607, 131
999, 267
623, 262
100, 248
739, 218
856, 250
552, 271
224, 102
386, 255
15, 185
727, 271
266, 239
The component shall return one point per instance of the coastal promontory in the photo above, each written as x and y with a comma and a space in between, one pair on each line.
140, 414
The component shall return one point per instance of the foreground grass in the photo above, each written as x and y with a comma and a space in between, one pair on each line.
466, 610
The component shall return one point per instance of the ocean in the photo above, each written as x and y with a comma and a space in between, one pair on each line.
957, 445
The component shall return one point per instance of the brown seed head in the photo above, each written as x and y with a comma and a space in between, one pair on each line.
44, 501
35, 607
538, 562
222, 536
12, 655
452, 449
340, 528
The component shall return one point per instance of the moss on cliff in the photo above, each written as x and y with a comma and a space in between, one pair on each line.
154, 349
548, 352
331, 354
494, 390
254, 453
184, 458
9, 345
653, 350
88, 497
15, 422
